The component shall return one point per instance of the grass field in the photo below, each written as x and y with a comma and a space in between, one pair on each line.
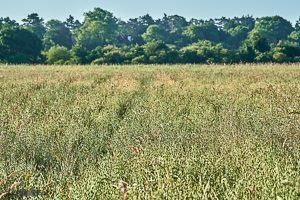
150, 132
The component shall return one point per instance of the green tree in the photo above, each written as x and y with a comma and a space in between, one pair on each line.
7, 23
246, 54
131, 31
263, 57
297, 25
57, 34
190, 54
155, 33
159, 52
291, 50
207, 52
237, 29
19, 46
261, 45
174, 25
72, 24
35, 24
206, 31
272, 29
58, 55
110, 55
99, 29
295, 36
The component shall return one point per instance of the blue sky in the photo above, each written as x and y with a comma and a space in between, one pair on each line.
124, 9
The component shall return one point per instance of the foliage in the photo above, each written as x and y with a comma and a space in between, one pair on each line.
155, 33
58, 55
272, 29
35, 24
99, 28
206, 31
57, 33
170, 39
19, 46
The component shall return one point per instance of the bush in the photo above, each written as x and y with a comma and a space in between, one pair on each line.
280, 57
263, 58
58, 55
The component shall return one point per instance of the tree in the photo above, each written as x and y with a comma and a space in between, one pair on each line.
99, 29
72, 24
297, 25
35, 24
246, 54
159, 52
110, 55
155, 33
131, 31
207, 52
136, 54
237, 29
272, 29
7, 23
58, 55
263, 57
174, 25
206, 31
190, 54
57, 34
261, 45
295, 36
290, 49
19, 46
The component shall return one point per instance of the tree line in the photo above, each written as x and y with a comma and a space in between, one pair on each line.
104, 39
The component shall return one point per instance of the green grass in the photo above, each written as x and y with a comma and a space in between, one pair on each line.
159, 132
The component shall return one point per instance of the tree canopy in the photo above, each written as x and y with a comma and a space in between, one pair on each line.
102, 38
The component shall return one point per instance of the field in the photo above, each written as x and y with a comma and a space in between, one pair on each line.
150, 132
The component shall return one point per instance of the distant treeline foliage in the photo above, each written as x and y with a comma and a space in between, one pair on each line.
104, 39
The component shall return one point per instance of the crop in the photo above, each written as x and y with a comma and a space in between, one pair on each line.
150, 132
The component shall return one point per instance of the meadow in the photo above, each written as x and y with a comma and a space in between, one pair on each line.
150, 132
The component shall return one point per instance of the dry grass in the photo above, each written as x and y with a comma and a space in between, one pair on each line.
145, 132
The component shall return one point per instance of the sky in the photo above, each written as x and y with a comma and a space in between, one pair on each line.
125, 9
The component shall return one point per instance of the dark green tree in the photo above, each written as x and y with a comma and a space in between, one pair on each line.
7, 23
159, 52
131, 32
99, 29
174, 25
261, 45
206, 31
155, 33
35, 24
272, 29
237, 29
57, 34
72, 24
19, 45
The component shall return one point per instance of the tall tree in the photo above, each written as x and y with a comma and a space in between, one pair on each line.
57, 34
6, 23
174, 25
237, 29
132, 30
206, 31
19, 46
72, 24
155, 33
99, 28
35, 24
272, 29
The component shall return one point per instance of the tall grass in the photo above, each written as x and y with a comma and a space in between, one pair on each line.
150, 132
